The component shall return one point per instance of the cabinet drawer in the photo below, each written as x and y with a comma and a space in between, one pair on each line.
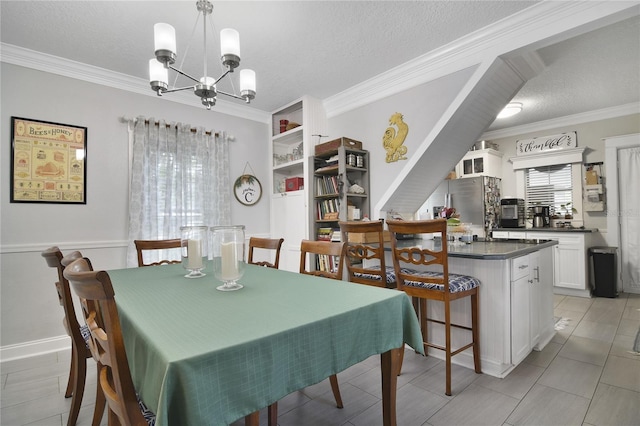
519, 267
500, 234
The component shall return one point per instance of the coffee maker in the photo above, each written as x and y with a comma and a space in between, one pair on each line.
541, 217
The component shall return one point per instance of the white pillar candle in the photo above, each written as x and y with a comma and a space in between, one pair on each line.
229, 261
194, 254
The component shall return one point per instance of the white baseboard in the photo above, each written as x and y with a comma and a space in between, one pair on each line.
489, 367
33, 348
571, 292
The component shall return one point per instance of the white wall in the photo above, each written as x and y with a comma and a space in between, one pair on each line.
421, 106
99, 228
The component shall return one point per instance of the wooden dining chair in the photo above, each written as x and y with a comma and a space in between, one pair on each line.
329, 260
330, 267
263, 244
365, 243
146, 245
106, 343
434, 282
79, 336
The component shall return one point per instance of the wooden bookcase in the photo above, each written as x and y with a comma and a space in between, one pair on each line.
334, 199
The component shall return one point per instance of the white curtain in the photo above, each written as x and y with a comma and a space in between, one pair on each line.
629, 176
179, 177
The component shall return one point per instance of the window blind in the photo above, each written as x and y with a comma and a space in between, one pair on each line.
549, 186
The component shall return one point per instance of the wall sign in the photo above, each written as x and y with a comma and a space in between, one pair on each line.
546, 143
48, 162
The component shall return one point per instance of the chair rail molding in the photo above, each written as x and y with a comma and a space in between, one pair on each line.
35, 347
64, 245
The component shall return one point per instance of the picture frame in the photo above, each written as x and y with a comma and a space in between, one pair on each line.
48, 162
247, 189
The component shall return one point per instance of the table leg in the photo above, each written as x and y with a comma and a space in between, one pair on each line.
389, 365
252, 419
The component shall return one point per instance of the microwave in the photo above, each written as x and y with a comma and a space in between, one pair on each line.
512, 213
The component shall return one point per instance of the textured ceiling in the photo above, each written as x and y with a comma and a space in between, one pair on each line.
322, 48
597, 70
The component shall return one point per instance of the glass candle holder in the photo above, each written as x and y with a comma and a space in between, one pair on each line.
195, 249
228, 255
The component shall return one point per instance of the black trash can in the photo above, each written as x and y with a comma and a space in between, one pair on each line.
603, 267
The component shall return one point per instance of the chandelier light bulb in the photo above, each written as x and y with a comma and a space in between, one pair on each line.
157, 72
248, 84
209, 81
247, 80
164, 40
229, 42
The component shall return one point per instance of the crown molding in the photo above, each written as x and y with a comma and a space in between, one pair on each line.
530, 29
569, 120
53, 64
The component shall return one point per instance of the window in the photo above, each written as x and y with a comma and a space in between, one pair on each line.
549, 186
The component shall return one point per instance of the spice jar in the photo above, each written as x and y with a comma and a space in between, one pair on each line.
360, 161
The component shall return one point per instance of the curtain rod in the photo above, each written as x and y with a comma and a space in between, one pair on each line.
157, 123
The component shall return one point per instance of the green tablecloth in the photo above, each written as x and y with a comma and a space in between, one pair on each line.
199, 356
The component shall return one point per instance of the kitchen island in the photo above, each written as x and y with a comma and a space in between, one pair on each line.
516, 300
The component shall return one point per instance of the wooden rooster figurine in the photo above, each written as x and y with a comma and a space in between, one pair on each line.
393, 141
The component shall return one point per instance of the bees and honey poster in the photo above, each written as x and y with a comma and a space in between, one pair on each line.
48, 162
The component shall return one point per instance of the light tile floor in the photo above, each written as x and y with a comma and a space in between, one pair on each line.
585, 376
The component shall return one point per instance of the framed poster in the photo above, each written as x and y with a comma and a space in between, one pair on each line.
48, 162
247, 189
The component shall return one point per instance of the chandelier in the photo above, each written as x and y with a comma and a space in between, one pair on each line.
204, 87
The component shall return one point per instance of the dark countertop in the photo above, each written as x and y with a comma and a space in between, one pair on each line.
584, 230
498, 249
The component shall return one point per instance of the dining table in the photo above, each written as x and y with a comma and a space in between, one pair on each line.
199, 356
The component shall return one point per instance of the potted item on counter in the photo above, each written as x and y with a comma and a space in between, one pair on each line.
568, 210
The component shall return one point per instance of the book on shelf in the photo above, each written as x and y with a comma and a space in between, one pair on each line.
324, 234
327, 209
327, 263
326, 185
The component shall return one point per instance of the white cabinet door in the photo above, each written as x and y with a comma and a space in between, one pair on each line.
570, 264
520, 309
542, 276
520, 313
535, 298
289, 222
570, 260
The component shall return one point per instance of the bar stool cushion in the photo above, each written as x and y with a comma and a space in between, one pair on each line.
457, 282
148, 415
86, 334
390, 272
